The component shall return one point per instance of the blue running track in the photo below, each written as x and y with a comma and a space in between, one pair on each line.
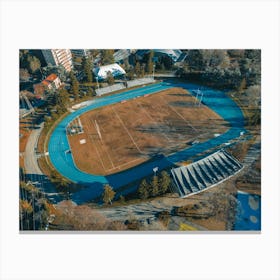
93, 184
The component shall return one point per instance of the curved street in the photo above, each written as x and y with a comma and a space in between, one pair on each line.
30, 157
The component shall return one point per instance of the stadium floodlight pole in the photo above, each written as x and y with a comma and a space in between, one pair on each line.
196, 97
97, 82
201, 98
155, 169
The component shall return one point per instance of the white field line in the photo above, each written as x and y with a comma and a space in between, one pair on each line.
126, 130
92, 140
100, 159
112, 151
150, 117
179, 115
94, 144
100, 140
204, 112
124, 164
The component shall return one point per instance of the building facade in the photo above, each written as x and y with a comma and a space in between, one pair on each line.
51, 82
79, 52
59, 57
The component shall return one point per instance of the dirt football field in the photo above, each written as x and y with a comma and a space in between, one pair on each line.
120, 136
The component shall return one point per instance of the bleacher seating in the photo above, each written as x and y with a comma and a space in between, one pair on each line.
140, 82
204, 173
109, 89
120, 86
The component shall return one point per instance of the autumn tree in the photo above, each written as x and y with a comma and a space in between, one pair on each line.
32, 206
34, 64
87, 68
137, 69
143, 190
23, 74
107, 56
108, 194
142, 72
130, 74
25, 209
25, 206
61, 100
110, 79
74, 85
154, 186
150, 64
195, 60
90, 91
164, 182
253, 95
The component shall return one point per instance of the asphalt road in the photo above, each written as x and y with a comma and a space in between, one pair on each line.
33, 172
30, 157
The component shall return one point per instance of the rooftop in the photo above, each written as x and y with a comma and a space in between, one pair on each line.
51, 77
102, 71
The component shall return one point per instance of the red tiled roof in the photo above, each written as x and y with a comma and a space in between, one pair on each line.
51, 77
45, 82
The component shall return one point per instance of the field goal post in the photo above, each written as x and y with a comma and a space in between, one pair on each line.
199, 97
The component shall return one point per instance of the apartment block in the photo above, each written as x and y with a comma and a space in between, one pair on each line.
59, 57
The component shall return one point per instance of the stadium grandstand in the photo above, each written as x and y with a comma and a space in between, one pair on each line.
101, 72
139, 82
128, 84
205, 173
109, 89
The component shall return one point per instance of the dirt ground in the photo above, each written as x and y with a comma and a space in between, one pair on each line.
133, 131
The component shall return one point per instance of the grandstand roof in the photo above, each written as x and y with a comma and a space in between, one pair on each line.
102, 71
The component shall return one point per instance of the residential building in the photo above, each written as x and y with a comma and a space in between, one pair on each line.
59, 57
79, 52
51, 82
